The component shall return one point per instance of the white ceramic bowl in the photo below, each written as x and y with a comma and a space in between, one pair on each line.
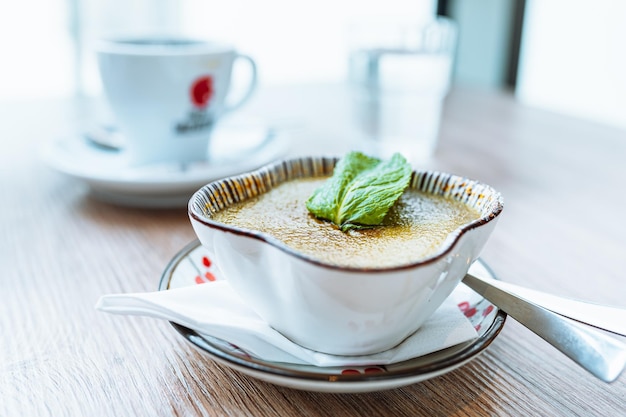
328, 308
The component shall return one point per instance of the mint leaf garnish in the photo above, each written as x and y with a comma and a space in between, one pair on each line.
361, 190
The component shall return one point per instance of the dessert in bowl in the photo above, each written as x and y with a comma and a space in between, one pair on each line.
336, 289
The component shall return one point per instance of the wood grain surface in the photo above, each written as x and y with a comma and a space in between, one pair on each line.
562, 231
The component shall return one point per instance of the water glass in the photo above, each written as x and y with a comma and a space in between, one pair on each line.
399, 75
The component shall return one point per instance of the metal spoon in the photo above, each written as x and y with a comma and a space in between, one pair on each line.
106, 138
559, 320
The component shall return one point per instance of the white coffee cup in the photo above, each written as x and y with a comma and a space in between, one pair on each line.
167, 94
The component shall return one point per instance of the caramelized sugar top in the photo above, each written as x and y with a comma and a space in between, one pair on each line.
415, 227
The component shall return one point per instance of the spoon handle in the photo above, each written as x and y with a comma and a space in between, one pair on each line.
611, 319
598, 353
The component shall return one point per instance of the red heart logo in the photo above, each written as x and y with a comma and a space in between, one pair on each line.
201, 91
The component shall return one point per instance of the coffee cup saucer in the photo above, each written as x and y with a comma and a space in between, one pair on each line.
110, 177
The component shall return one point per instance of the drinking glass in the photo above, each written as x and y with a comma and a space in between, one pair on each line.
399, 74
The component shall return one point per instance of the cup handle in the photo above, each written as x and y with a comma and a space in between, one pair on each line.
251, 87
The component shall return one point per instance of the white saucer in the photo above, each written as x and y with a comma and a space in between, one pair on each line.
233, 149
195, 265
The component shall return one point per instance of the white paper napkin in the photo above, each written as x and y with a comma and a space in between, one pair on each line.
215, 309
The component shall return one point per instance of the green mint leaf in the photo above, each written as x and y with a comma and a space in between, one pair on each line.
361, 190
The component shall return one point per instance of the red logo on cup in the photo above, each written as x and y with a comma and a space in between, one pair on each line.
201, 91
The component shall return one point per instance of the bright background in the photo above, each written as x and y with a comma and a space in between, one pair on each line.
572, 56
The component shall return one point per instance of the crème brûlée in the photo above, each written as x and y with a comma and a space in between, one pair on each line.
413, 230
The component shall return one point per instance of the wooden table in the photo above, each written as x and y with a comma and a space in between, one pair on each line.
562, 231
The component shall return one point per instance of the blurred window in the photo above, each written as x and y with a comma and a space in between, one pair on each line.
37, 48
50, 42
573, 58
